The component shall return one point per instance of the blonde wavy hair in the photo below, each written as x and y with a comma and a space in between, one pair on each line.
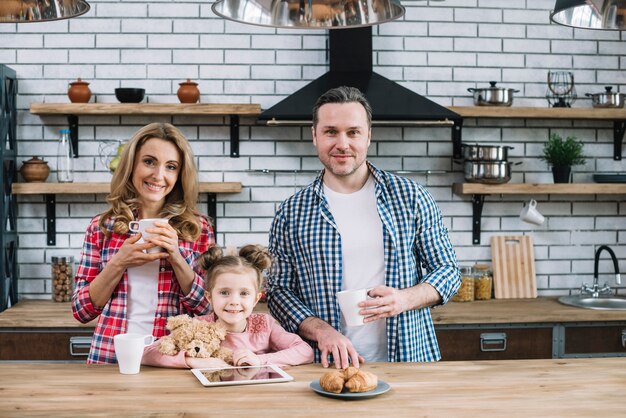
180, 204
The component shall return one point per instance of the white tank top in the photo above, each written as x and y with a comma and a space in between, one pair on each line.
143, 297
362, 252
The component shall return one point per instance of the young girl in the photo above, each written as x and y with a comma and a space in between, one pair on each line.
233, 286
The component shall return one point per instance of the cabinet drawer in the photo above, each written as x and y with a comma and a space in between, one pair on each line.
495, 343
595, 339
45, 345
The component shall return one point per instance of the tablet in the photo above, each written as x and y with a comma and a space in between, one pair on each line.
241, 375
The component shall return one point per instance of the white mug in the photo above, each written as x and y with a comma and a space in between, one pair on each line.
530, 213
348, 303
141, 226
129, 351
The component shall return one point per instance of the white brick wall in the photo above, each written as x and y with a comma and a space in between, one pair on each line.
438, 49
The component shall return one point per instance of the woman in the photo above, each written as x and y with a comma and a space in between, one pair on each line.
130, 289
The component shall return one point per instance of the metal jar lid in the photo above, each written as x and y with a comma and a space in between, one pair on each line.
63, 260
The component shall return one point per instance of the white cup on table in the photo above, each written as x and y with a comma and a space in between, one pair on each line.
349, 304
141, 226
129, 351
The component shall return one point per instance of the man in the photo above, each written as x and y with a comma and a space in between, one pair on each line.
359, 227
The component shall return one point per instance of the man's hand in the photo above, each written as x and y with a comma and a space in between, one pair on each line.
330, 341
389, 301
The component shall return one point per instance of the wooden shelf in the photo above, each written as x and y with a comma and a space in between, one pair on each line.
104, 188
479, 191
144, 109
538, 112
73, 110
537, 188
50, 190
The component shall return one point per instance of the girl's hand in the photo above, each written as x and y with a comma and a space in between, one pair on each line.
205, 363
245, 357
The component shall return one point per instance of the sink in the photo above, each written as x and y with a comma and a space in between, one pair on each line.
607, 303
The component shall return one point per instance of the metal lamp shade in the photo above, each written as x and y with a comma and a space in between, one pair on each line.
590, 14
28, 11
313, 14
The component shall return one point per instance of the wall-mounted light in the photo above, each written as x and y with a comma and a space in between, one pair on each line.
309, 14
590, 14
29, 11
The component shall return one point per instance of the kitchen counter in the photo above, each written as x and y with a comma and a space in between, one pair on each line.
48, 314
522, 388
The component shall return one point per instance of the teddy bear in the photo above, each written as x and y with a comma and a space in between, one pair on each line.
196, 338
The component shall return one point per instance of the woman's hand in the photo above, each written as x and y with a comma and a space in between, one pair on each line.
132, 254
166, 237
245, 357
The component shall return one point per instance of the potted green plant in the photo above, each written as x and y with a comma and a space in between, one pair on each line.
562, 154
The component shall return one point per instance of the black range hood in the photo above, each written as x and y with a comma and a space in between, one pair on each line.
351, 65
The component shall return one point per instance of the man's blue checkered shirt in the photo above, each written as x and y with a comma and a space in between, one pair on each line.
307, 272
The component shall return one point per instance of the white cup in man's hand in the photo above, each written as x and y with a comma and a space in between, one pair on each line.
141, 226
129, 351
349, 304
530, 213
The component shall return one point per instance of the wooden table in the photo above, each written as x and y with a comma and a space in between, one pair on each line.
519, 388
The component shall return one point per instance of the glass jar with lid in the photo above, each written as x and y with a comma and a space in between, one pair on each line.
62, 278
466, 291
484, 281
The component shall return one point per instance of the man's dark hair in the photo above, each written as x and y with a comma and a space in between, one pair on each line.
343, 94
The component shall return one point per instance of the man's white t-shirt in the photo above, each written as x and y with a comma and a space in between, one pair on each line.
362, 252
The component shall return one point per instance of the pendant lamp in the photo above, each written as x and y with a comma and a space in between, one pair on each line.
590, 14
29, 11
309, 14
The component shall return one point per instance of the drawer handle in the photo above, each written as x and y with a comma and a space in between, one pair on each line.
79, 346
624, 338
493, 341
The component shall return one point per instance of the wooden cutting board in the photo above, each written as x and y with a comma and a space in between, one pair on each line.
513, 261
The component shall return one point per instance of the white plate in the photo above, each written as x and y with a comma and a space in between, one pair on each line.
380, 389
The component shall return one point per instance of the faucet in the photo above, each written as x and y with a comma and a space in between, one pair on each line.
595, 290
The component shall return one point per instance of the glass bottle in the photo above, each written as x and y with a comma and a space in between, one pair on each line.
65, 162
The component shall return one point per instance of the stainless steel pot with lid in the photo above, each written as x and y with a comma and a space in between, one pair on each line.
477, 152
493, 96
607, 99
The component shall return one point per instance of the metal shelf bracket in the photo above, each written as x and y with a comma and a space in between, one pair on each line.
619, 127
457, 131
234, 136
51, 219
72, 121
477, 211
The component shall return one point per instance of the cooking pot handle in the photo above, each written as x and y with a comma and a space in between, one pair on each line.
588, 94
515, 91
471, 89
458, 161
517, 163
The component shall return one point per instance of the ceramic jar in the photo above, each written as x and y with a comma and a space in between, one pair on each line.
35, 170
79, 91
188, 92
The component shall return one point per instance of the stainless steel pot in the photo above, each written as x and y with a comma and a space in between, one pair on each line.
607, 99
493, 96
489, 172
476, 152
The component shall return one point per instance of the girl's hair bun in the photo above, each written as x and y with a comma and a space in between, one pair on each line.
210, 257
257, 255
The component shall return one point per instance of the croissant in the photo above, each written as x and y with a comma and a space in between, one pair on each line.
332, 381
362, 381
353, 379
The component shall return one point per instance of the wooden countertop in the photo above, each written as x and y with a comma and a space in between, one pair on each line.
520, 388
48, 314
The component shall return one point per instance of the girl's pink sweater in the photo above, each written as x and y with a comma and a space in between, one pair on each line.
263, 336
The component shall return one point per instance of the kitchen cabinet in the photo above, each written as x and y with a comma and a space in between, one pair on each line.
43, 331
495, 343
589, 340
73, 110
50, 190
479, 191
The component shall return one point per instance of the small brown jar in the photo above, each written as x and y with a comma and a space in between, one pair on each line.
188, 92
35, 170
79, 92
62, 278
